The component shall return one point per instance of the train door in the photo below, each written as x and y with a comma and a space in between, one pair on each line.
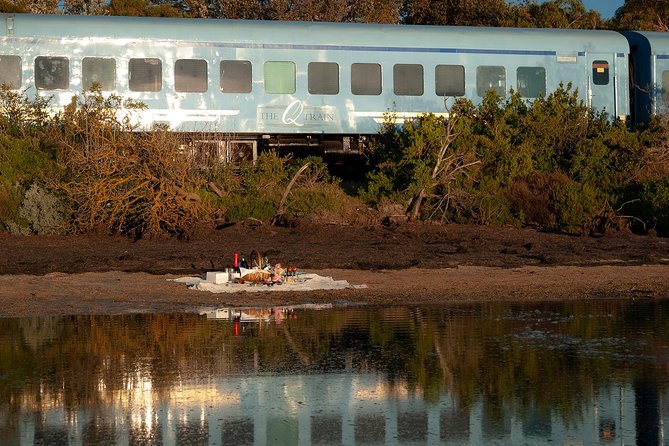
661, 106
601, 83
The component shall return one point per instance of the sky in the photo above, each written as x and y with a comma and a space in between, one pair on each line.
606, 8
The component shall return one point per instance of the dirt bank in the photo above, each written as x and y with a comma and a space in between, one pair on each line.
104, 274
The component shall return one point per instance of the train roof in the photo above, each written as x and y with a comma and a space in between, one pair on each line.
651, 42
313, 34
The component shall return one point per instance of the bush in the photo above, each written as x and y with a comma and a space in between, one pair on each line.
652, 205
43, 211
577, 207
131, 182
255, 191
551, 163
533, 199
23, 162
417, 164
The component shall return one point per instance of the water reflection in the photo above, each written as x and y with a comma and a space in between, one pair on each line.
572, 373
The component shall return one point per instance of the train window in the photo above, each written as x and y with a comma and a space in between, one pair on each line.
531, 81
10, 71
366, 78
190, 76
490, 78
279, 77
323, 78
408, 79
236, 76
600, 72
145, 75
98, 71
52, 73
449, 80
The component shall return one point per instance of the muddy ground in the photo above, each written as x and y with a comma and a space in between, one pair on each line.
407, 264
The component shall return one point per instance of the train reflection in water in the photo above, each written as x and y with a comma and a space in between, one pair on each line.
319, 410
591, 372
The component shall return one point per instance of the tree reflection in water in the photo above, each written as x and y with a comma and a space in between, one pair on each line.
577, 371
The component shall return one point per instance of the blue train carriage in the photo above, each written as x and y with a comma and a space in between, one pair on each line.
649, 53
296, 84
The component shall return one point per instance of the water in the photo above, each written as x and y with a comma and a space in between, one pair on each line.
577, 373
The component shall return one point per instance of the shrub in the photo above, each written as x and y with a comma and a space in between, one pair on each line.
577, 207
22, 117
139, 183
417, 164
23, 161
43, 211
533, 198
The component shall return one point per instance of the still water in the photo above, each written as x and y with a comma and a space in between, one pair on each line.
577, 373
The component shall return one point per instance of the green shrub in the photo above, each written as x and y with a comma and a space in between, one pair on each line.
652, 206
22, 117
23, 162
417, 164
577, 207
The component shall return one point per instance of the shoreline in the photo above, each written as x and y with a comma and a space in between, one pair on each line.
116, 292
411, 264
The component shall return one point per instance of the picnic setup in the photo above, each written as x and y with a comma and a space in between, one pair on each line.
260, 276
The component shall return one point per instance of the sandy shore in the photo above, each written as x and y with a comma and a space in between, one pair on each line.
404, 265
117, 292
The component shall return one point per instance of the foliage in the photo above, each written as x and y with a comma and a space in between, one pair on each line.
27, 155
142, 8
9, 6
43, 211
90, 166
254, 191
525, 13
554, 14
649, 15
125, 181
32, 6
424, 168
518, 166
654, 204
21, 116
456, 12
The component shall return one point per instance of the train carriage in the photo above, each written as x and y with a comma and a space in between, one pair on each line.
295, 83
649, 54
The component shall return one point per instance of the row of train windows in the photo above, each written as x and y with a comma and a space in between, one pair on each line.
191, 76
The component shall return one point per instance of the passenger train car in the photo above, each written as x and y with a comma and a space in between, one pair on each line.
649, 58
295, 83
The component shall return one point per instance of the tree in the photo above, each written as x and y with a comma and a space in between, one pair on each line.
143, 8
374, 11
237, 9
456, 12
11, 7
34, 6
307, 10
643, 15
566, 14
85, 7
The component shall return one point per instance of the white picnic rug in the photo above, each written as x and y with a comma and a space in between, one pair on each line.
306, 282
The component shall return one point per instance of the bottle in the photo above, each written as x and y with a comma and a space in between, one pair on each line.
244, 263
235, 265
